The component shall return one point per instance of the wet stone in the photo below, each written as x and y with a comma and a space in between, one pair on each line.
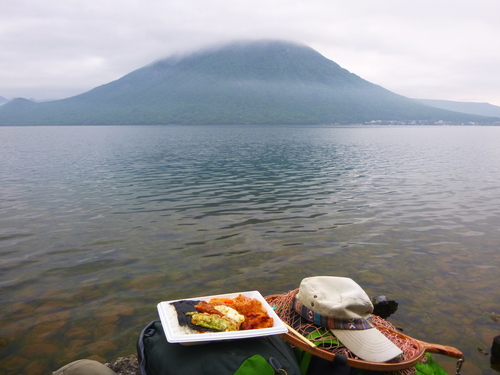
108, 319
105, 330
51, 306
112, 313
45, 330
21, 310
75, 347
78, 332
36, 367
40, 350
101, 347
125, 365
121, 309
13, 363
51, 317
145, 283
90, 293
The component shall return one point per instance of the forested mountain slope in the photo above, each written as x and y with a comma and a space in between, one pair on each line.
262, 82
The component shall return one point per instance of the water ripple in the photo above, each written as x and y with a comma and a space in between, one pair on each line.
96, 217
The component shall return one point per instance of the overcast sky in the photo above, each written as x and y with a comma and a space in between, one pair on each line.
428, 49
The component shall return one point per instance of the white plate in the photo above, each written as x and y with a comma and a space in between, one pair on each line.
168, 317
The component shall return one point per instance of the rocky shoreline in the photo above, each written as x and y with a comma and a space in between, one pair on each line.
125, 365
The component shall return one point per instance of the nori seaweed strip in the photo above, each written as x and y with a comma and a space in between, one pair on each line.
182, 308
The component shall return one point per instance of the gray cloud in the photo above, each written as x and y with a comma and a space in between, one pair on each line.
426, 49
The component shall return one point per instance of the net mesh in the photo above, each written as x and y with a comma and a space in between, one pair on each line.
324, 339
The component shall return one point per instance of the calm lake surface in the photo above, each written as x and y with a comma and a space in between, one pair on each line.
99, 224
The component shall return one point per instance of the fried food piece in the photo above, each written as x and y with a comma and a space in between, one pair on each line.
213, 321
231, 313
257, 321
256, 315
207, 307
225, 301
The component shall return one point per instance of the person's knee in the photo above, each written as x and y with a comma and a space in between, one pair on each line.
84, 367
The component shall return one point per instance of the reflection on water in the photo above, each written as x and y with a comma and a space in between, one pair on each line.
99, 224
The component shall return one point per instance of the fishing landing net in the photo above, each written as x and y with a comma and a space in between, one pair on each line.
324, 339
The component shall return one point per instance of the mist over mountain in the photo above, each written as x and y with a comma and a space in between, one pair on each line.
482, 109
263, 82
3, 100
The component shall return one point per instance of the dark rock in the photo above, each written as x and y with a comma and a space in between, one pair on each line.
125, 365
495, 351
383, 306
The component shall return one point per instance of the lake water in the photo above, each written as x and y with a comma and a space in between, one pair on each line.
99, 224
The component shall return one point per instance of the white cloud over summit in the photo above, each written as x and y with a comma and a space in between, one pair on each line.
426, 49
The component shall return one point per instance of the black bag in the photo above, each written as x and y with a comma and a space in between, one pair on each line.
253, 356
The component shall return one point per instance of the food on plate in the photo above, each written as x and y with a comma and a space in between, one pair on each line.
256, 315
230, 313
226, 301
223, 314
214, 321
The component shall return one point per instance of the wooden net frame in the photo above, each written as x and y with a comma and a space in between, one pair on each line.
322, 343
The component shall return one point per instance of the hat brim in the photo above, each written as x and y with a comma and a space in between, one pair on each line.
368, 344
